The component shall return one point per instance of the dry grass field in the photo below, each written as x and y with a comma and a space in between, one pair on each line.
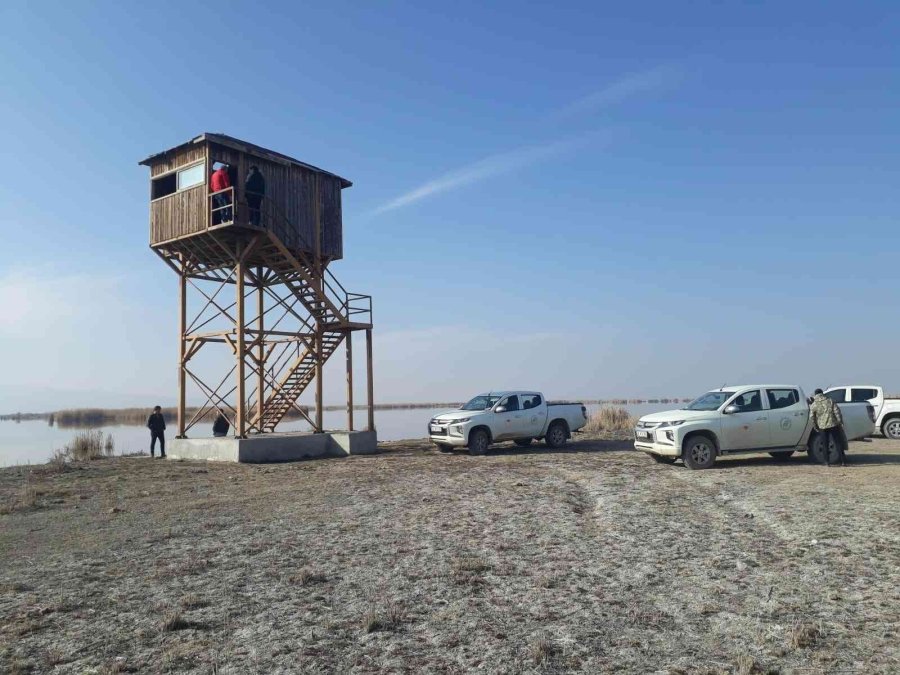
592, 560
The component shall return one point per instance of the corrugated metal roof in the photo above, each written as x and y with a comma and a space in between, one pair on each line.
245, 146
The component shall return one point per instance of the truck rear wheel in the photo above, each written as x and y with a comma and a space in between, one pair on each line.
699, 452
891, 428
818, 452
556, 436
478, 442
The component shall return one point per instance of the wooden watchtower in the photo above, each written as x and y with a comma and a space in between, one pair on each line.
287, 313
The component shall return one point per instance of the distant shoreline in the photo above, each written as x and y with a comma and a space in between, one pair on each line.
83, 417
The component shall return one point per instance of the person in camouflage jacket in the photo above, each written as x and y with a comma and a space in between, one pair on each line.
827, 420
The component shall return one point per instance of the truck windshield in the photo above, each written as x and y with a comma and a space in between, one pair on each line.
710, 400
481, 402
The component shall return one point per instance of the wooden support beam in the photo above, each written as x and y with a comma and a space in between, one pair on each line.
319, 412
349, 348
261, 347
370, 385
240, 418
182, 348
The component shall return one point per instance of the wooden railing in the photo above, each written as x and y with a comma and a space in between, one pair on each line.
179, 214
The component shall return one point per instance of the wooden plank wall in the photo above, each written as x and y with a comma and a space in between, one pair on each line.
178, 214
177, 158
290, 187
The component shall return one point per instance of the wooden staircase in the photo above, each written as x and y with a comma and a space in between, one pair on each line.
298, 377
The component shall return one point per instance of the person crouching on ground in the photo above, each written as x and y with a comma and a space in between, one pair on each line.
827, 421
156, 423
220, 426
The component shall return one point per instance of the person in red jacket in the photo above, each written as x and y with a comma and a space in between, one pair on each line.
217, 182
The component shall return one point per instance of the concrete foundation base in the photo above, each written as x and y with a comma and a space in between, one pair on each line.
286, 447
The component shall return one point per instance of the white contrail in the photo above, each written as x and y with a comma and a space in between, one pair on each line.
504, 162
493, 165
624, 88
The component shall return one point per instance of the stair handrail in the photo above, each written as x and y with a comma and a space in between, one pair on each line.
340, 298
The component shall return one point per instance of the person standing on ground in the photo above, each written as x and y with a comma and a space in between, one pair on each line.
220, 426
827, 421
156, 423
217, 182
255, 189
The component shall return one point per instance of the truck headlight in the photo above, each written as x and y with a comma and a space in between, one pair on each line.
672, 424
462, 421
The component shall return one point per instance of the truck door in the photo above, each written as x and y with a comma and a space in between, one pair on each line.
787, 417
748, 427
534, 415
507, 424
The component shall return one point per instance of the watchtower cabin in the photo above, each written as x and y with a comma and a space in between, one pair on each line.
224, 212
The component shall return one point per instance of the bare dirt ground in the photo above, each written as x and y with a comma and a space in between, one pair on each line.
590, 560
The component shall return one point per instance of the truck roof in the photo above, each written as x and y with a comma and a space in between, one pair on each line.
507, 392
739, 387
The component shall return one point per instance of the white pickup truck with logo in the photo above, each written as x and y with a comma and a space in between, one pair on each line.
519, 416
771, 418
887, 410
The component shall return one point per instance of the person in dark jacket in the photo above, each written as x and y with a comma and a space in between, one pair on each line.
828, 422
156, 423
255, 189
220, 426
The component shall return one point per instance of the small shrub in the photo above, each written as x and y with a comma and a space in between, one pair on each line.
746, 665
610, 418
306, 577
172, 620
191, 601
804, 634
53, 656
109, 446
541, 649
27, 498
387, 618
86, 445
59, 462
468, 569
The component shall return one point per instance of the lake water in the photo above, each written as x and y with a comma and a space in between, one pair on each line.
34, 442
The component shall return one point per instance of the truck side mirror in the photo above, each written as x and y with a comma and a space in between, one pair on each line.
500, 409
731, 409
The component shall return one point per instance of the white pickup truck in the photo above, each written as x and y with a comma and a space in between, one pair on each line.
771, 418
519, 416
887, 410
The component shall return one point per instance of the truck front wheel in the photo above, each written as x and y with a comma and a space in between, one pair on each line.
699, 452
556, 436
478, 442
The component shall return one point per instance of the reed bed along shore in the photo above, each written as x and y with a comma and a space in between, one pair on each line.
75, 418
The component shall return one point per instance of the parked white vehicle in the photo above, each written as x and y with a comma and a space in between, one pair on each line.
519, 416
887, 410
771, 418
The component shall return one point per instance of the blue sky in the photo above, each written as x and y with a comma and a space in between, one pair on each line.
595, 201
